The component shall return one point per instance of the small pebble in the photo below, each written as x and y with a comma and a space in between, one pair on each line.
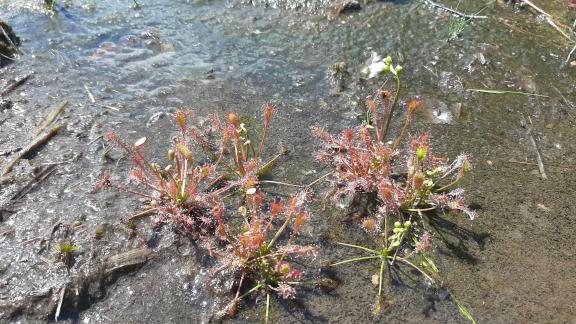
375, 279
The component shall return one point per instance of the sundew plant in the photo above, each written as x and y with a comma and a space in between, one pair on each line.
408, 185
208, 188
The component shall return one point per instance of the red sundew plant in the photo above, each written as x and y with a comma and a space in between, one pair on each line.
186, 190
255, 243
232, 146
410, 185
260, 252
179, 190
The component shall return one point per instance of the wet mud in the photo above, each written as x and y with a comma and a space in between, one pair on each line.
127, 68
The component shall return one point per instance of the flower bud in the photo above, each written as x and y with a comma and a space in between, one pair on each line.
398, 69
171, 155
397, 224
388, 60
421, 153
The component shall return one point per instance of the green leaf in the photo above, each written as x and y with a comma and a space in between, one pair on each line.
429, 264
465, 312
497, 91
355, 260
358, 247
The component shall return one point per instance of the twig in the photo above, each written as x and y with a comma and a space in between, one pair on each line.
10, 151
108, 107
281, 183
7, 57
506, 23
538, 157
458, 13
34, 145
49, 119
142, 214
14, 47
549, 19
570, 54
62, 291
380, 14
547, 166
32, 240
564, 98
8, 231
94, 140
89, 93
536, 8
12, 86
41, 176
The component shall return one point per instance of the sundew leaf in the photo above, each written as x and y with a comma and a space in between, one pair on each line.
429, 264
465, 312
497, 91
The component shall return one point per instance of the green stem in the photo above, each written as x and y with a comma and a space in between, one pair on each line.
319, 179
281, 183
391, 114
267, 308
255, 288
448, 185
280, 231
378, 302
421, 209
417, 268
358, 247
355, 260
266, 167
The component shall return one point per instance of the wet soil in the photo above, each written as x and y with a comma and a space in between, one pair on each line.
512, 264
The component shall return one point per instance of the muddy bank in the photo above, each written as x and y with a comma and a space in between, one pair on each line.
140, 66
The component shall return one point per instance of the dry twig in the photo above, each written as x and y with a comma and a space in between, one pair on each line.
455, 12
31, 147
535, 147
61, 299
90, 95
147, 212
49, 119
41, 176
549, 19
9, 39
13, 86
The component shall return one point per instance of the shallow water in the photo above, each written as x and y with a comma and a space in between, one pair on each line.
142, 64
